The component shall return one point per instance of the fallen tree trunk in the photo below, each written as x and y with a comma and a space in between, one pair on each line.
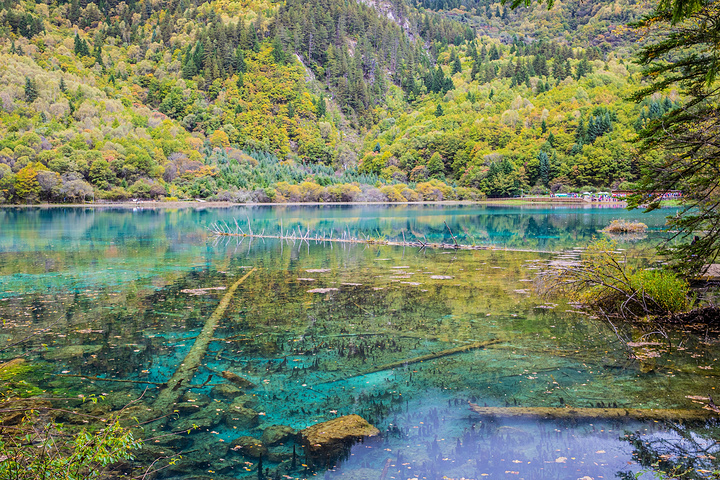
555, 413
434, 355
186, 371
424, 358
224, 231
119, 380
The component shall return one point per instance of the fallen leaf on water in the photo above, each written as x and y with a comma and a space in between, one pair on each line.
201, 291
323, 290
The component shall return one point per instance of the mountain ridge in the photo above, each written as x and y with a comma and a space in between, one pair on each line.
151, 99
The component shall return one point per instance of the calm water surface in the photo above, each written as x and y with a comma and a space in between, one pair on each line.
123, 294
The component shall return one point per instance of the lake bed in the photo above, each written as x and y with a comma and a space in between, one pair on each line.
323, 330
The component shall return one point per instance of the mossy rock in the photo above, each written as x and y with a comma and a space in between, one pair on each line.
327, 441
192, 403
207, 452
226, 391
275, 434
247, 401
237, 380
196, 398
241, 417
249, 447
203, 420
139, 413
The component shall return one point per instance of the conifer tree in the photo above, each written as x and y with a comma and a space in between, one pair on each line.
457, 66
31, 92
320, 107
544, 168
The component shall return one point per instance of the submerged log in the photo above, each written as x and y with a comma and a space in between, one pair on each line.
558, 413
119, 380
186, 371
423, 358
434, 355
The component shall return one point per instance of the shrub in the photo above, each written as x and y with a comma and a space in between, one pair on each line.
623, 226
669, 292
392, 194
605, 280
41, 449
116, 194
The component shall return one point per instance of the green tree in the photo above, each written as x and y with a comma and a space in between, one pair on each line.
687, 57
456, 66
320, 106
31, 92
81, 47
27, 187
544, 168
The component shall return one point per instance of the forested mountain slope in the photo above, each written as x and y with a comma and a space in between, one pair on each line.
325, 100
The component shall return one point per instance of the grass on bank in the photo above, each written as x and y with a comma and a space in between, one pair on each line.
608, 282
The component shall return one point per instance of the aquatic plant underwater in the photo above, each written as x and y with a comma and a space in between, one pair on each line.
406, 338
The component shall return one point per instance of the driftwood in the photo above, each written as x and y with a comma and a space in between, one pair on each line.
423, 358
120, 380
558, 413
173, 391
226, 231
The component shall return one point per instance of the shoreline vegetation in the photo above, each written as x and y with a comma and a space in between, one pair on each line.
220, 204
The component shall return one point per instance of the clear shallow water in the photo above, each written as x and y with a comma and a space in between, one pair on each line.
112, 284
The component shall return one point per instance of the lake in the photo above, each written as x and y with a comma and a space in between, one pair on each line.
326, 330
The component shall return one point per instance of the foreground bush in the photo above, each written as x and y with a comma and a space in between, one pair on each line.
604, 280
40, 449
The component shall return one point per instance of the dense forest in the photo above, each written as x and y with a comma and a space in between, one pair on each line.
330, 100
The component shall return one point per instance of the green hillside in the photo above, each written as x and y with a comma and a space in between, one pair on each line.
331, 100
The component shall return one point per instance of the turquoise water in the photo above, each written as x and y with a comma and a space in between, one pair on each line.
329, 330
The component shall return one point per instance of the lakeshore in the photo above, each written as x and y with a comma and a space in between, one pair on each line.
213, 204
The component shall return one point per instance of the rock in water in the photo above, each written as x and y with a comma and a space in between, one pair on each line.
226, 391
237, 380
275, 434
249, 447
327, 441
240, 417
